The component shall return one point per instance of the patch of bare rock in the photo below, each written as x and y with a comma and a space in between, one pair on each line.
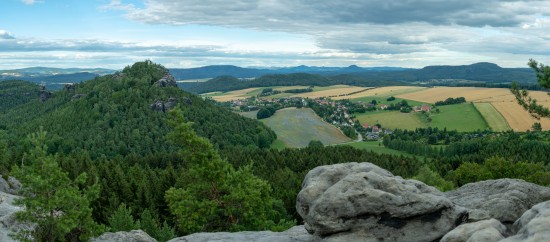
363, 202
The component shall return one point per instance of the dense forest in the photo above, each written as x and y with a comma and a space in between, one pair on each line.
229, 83
133, 153
15, 93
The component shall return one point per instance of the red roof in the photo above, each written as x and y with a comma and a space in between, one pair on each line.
365, 125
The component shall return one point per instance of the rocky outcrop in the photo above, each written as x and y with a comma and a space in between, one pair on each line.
504, 199
166, 81
161, 106
78, 96
132, 236
8, 223
294, 234
70, 87
490, 230
533, 225
11, 185
44, 94
362, 202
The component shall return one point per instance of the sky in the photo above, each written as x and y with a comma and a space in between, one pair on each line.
272, 33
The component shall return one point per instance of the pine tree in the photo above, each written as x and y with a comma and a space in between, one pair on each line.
216, 197
56, 204
122, 219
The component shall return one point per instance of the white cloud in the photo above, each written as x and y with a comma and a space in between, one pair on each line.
28, 2
6, 35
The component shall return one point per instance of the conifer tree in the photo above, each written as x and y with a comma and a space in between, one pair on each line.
59, 206
217, 197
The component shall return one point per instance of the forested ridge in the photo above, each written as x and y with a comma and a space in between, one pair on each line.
111, 116
15, 93
196, 167
229, 83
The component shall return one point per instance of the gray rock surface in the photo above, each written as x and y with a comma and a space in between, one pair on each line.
533, 225
157, 106
504, 199
362, 202
132, 236
11, 186
8, 224
490, 230
294, 234
166, 81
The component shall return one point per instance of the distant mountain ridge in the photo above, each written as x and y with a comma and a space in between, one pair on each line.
483, 71
244, 72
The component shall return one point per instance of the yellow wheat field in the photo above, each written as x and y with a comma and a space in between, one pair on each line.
234, 95
517, 117
333, 93
382, 91
472, 94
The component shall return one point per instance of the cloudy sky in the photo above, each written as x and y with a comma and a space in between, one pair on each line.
191, 33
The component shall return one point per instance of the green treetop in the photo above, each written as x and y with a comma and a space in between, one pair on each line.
56, 204
217, 197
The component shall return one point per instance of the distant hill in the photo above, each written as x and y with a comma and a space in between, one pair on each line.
229, 83
485, 72
49, 71
123, 113
53, 78
241, 72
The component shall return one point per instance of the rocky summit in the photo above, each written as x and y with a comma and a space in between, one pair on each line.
363, 202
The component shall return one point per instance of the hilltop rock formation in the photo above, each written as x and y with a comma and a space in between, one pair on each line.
166, 81
504, 199
44, 94
161, 106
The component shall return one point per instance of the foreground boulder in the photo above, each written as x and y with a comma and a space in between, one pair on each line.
122, 236
490, 230
504, 199
294, 234
534, 225
362, 202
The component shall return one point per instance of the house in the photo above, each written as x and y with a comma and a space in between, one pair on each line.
383, 106
366, 125
375, 129
417, 109
425, 108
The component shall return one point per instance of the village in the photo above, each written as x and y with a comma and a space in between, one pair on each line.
339, 113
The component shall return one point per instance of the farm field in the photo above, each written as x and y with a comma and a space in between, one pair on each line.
250, 114
228, 96
335, 93
472, 94
461, 117
327, 91
392, 119
296, 127
494, 119
518, 118
383, 92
